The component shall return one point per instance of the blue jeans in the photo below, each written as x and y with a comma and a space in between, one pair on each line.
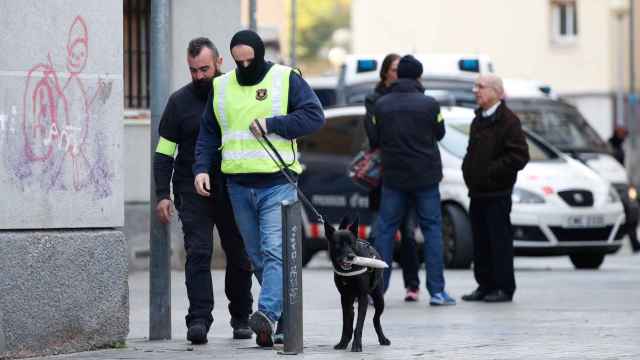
393, 207
258, 214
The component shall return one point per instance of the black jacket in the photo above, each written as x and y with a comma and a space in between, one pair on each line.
497, 150
179, 124
408, 127
617, 147
370, 106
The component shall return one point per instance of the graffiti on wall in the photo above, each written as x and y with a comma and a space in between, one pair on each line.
56, 139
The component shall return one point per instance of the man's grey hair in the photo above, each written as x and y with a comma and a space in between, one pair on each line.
196, 45
495, 82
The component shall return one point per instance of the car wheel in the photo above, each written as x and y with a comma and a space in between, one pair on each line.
457, 240
587, 261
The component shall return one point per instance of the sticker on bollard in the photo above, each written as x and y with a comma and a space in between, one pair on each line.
292, 276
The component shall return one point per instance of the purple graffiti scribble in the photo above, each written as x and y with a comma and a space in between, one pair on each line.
63, 149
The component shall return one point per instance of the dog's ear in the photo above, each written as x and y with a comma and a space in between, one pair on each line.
328, 231
344, 223
354, 227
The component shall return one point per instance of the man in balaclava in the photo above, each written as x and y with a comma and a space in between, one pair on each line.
259, 101
178, 131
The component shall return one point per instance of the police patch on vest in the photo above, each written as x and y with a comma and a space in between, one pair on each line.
261, 94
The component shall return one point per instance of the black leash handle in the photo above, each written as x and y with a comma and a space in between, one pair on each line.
282, 166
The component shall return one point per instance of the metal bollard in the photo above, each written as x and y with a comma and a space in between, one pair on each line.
292, 276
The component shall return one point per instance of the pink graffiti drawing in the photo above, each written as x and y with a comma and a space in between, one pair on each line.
77, 46
57, 118
41, 118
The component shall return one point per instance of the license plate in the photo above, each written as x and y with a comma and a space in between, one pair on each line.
585, 221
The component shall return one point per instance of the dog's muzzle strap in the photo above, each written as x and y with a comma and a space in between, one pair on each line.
350, 273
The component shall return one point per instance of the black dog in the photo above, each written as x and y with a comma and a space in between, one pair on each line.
355, 282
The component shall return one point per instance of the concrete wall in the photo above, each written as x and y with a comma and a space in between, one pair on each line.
63, 282
62, 291
136, 163
60, 114
218, 20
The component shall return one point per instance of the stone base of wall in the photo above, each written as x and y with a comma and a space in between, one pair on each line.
62, 291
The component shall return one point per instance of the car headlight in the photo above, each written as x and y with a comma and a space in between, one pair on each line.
632, 193
612, 196
521, 196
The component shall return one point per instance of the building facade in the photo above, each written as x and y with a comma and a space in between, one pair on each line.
571, 45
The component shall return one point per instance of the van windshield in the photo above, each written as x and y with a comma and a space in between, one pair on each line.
565, 129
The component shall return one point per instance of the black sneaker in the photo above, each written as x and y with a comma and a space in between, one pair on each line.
278, 338
241, 329
263, 327
197, 333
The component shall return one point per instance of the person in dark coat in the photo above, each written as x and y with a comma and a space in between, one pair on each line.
408, 127
408, 252
617, 144
178, 132
497, 150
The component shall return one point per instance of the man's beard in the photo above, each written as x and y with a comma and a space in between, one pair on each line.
202, 87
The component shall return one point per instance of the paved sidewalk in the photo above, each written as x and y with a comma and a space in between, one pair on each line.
558, 313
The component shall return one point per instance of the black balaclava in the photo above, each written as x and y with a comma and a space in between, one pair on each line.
256, 70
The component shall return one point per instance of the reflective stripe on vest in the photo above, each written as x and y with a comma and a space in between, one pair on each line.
236, 106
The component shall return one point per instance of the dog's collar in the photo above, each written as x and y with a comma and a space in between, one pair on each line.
350, 273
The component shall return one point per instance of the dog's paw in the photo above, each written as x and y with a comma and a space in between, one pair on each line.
384, 341
341, 345
355, 347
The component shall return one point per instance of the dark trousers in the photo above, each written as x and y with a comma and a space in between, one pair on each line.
408, 250
409, 260
631, 229
492, 243
198, 216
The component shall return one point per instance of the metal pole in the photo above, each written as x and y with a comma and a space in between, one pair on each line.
160, 242
292, 47
633, 97
292, 276
632, 47
253, 24
619, 121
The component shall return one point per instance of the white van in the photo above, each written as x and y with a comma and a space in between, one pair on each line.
564, 127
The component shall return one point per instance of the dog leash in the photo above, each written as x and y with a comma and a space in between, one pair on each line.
282, 166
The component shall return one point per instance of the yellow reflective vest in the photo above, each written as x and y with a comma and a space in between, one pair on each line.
236, 106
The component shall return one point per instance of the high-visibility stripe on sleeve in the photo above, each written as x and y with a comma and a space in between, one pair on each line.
166, 147
276, 91
440, 117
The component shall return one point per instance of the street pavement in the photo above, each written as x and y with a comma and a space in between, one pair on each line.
557, 313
